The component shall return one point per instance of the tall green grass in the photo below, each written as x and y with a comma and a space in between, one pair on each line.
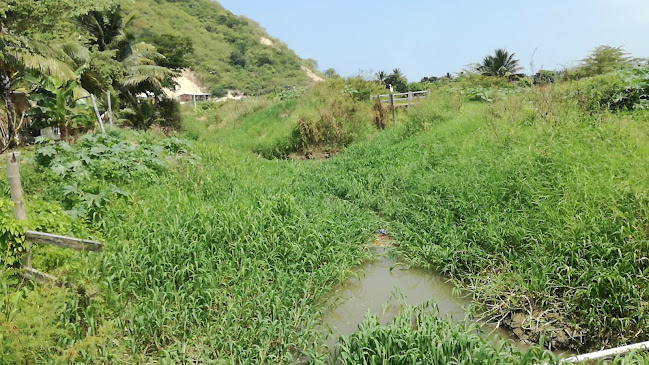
245, 126
419, 336
529, 214
532, 204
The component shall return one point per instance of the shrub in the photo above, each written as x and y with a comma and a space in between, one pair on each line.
169, 116
328, 117
544, 77
219, 92
12, 239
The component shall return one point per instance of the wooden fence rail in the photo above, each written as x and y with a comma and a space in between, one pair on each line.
15, 186
402, 99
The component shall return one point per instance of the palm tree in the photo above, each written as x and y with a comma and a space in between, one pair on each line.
500, 64
106, 27
142, 72
19, 55
381, 76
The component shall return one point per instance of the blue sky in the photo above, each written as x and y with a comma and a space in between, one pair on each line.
430, 38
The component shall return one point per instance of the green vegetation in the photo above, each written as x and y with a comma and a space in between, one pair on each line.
51, 69
419, 336
326, 118
500, 64
228, 49
533, 199
539, 211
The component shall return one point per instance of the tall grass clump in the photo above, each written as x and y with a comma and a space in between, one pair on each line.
331, 115
418, 336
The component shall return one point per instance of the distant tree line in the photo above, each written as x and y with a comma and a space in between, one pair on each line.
503, 64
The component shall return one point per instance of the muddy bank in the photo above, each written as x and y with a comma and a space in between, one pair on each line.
384, 288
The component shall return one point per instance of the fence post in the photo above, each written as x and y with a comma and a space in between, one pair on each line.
110, 110
392, 105
409, 98
13, 175
94, 104
428, 95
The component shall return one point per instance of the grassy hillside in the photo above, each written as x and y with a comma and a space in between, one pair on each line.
229, 53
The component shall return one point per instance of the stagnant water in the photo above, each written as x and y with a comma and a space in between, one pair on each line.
384, 288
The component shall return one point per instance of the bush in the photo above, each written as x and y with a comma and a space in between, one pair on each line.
84, 175
12, 239
544, 77
328, 117
619, 90
219, 92
169, 116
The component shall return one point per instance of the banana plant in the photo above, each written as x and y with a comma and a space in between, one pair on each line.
59, 103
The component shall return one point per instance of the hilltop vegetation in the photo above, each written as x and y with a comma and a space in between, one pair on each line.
230, 52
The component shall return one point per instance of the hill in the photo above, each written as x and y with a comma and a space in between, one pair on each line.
230, 52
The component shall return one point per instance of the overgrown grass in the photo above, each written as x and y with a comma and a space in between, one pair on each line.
419, 336
537, 207
269, 132
543, 218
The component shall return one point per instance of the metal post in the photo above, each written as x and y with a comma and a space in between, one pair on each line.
13, 175
392, 106
110, 110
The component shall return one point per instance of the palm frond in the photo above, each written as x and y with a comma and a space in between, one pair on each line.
137, 80
39, 63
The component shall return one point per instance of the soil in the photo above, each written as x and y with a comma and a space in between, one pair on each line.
384, 240
558, 333
312, 75
312, 155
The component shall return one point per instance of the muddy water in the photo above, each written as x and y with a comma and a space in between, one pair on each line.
384, 288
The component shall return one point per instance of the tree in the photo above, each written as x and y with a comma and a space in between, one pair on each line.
105, 27
381, 76
62, 104
238, 58
331, 73
603, 59
397, 80
141, 69
501, 64
178, 51
21, 53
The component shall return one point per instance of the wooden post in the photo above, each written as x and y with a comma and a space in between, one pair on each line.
13, 175
101, 123
110, 110
194, 101
392, 105
409, 98
428, 95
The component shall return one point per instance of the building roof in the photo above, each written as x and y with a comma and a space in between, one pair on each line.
194, 94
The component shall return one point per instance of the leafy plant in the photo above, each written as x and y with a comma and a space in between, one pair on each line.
60, 104
12, 239
86, 172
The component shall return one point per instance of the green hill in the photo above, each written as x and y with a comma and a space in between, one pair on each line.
230, 52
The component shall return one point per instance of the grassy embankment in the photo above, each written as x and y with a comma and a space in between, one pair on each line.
536, 203
229, 256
